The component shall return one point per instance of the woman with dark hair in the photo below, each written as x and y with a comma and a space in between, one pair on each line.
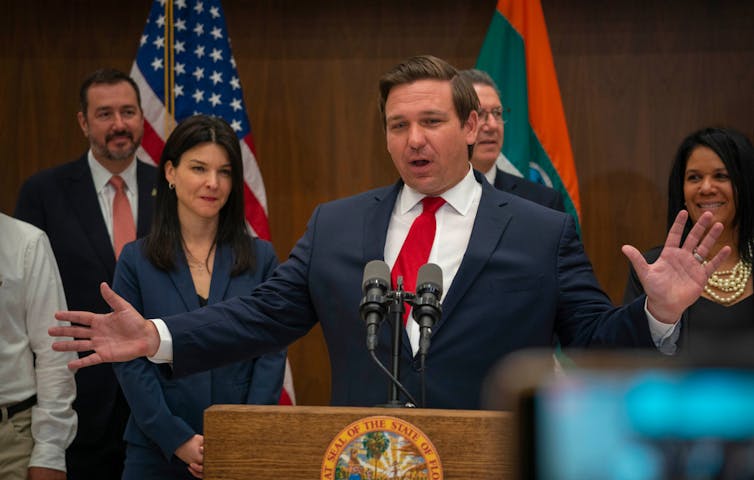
198, 252
714, 171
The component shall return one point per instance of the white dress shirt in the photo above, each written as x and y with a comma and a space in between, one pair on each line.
106, 192
455, 219
30, 293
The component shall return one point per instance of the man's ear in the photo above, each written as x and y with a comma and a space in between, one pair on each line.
471, 127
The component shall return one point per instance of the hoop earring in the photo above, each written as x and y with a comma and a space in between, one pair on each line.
171, 186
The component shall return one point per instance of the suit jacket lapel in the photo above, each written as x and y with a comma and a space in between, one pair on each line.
376, 221
220, 274
146, 185
506, 183
79, 186
184, 284
490, 223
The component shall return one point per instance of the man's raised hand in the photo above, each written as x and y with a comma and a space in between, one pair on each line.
677, 278
114, 337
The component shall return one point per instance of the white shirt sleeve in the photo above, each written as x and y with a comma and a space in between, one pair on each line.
53, 420
165, 350
665, 336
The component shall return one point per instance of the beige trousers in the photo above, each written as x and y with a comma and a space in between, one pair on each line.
15, 446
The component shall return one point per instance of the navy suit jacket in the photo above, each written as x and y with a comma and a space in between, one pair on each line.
541, 194
165, 411
62, 201
523, 277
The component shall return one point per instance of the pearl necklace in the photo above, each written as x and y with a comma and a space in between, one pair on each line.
729, 281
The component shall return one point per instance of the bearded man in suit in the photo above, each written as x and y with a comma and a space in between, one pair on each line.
73, 204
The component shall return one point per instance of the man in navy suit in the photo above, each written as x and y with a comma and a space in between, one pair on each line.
72, 203
515, 272
488, 157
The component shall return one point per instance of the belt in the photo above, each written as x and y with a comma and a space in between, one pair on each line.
10, 410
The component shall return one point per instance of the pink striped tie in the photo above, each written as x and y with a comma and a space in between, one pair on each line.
124, 229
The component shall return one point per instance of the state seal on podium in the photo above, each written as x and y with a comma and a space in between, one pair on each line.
381, 448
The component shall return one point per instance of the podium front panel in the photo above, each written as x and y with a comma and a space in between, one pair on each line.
260, 441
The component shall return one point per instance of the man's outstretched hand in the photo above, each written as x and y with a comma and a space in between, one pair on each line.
677, 278
114, 337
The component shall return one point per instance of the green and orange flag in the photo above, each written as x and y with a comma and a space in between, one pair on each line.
516, 53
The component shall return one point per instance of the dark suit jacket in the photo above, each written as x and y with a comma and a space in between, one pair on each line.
524, 276
62, 201
541, 194
165, 411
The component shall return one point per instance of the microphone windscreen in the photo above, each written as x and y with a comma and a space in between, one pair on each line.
376, 271
429, 273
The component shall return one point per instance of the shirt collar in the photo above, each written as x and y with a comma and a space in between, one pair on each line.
460, 196
101, 175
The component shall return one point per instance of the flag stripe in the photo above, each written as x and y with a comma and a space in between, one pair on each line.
545, 107
151, 145
287, 394
255, 214
516, 52
254, 192
513, 88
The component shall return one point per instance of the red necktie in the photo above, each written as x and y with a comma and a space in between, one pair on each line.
124, 229
415, 250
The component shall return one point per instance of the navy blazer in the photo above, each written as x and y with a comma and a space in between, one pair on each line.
63, 202
541, 194
165, 411
523, 277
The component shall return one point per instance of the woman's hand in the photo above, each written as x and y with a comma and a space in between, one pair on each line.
192, 453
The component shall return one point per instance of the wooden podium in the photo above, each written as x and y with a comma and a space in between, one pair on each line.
254, 442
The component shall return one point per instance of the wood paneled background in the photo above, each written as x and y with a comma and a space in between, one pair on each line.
635, 77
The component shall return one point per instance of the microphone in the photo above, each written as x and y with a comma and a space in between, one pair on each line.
427, 307
375, 284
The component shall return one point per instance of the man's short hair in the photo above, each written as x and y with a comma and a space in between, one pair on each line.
427, 67
479, 77
105, 76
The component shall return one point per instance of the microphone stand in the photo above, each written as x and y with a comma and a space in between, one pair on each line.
395, 313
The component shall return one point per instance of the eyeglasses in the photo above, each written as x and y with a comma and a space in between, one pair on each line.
500, 114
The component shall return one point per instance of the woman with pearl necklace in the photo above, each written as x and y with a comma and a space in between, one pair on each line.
713, 171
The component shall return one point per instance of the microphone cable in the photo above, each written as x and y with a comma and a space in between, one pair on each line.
412, 400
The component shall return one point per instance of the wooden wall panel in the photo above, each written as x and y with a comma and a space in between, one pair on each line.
635, 78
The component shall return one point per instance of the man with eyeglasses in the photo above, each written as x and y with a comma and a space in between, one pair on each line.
487, 156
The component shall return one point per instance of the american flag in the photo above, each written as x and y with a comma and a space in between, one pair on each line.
184, 66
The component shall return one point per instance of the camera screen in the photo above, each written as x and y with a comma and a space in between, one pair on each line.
645, 424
